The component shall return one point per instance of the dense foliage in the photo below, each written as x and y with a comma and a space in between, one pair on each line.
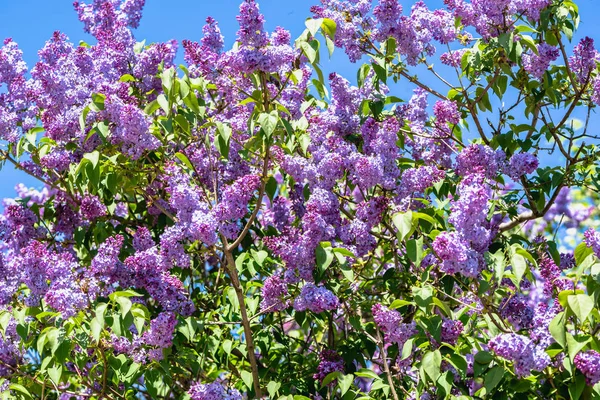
241, 226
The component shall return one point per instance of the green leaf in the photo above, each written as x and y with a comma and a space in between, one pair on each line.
324, 257
459, 362
423, 295
424, 217
400, 303
366, 373
41, 342
581, 305
576, 343
223, 137
268, 122
21, 389
309, 51
576, 390
407, 348
442, 306
343, 251
557, 329
414, 250
260, 257
582, 252
483, 357
227, 346
55, 372
185, 160
98, 101
330, 378
247, 378
492, 378
529, 42
233, 300
127, 78
347, 271
404, 224
519, 266
55, 338
167, 78
152, 107
272, 388
329, 27
313, 25
182, 122
125, 304
498, 263
163, 103
96, 329
94, 157
345, 382
431, 364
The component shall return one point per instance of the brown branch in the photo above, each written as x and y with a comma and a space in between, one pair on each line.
386, 367
422, 85
245, 322
566, 60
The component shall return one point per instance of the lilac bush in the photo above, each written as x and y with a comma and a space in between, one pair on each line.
244, 226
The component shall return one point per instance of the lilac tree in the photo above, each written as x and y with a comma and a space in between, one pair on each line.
242, 226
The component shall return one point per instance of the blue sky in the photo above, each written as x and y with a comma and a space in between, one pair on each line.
31, 22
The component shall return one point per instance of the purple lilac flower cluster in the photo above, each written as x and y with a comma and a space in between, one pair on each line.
520, 165
147, 269
17, 111
316, 299
517, 312
49, 275
451, 330
160, 335
522, 351
10, 352
256, 51
273, 293
461, 250
390, 323
148, 346
91, 207
330, 361
537, 64
63, 80
213, 391
592, 240
491, 18
588, 362
584, 59
478, 158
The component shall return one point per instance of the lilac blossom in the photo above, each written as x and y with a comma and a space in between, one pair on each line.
588, 362
390, 323
520, 165
584, 58
274, 292
316, 299
592, 240
92, 207
537, 64
446, 111
478, 158
329, 361
522, 351
213, 391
